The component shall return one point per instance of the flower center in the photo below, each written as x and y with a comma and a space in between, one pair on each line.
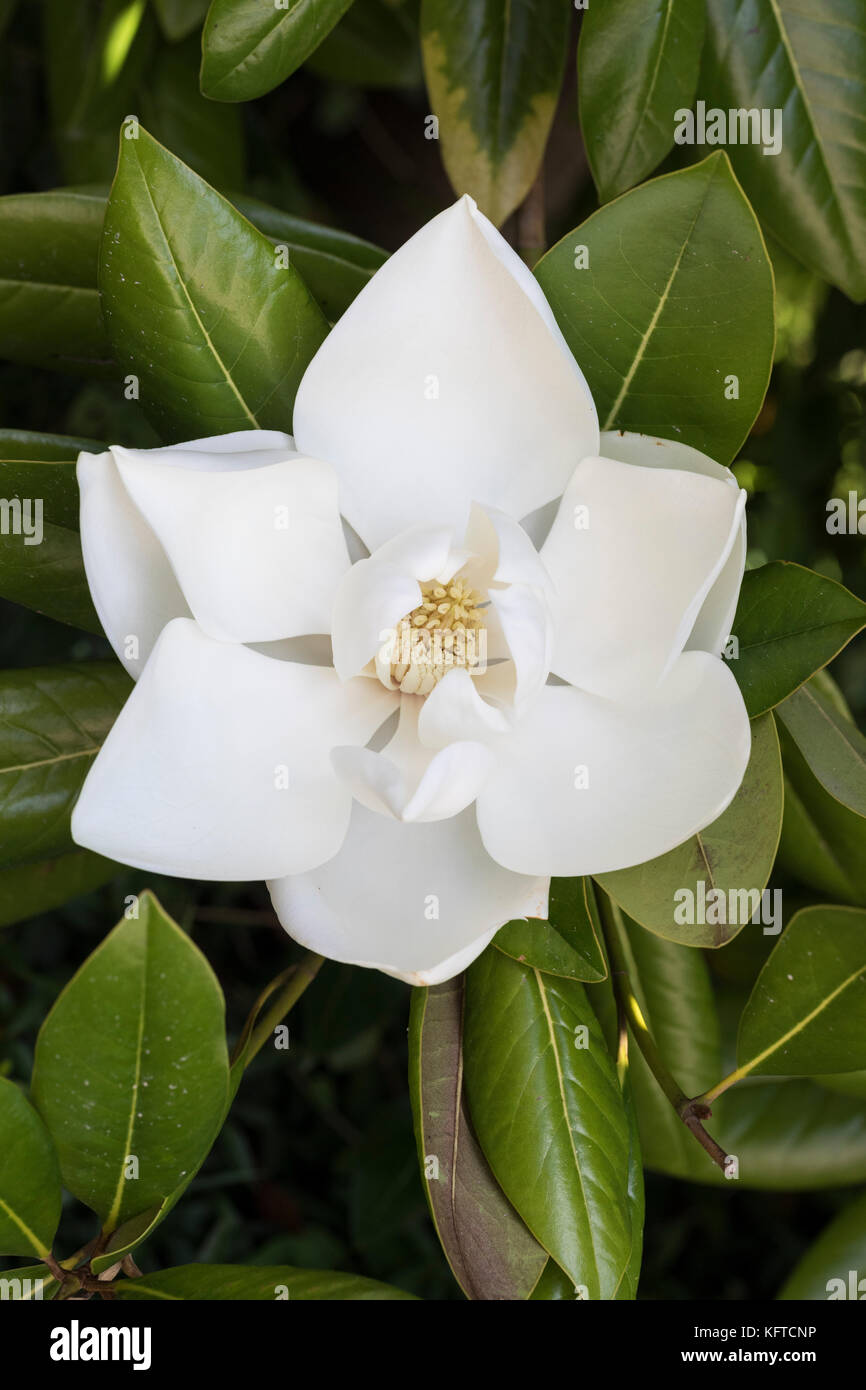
444, 631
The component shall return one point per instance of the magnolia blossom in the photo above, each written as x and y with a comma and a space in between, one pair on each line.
444, 644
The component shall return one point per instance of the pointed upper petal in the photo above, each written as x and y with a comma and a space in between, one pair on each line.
417, 901
219, 764
714, 621
633, 554
584, 785
446, 380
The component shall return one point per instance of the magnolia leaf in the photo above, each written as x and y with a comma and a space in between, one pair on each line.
231, 1283
214, 325
177, 18
834, 1266
807, 1011
630, 289
641, 60
569, 943
705, 891
53, 720
493, 73
375, 44
831, 745
131, 1070
249, 47
548, 1112
789, 623
491, 1253
790, 63
29, 1177
29, 889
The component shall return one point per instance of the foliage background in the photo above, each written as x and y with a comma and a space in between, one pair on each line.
316, 1165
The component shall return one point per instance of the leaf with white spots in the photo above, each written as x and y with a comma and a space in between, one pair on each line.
131, 1067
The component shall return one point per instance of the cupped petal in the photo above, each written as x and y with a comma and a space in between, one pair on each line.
526, 623
134, 589
455, 710
633, 554
132, 584
584, 785
416, 901
410, 781
257, 551
219, 764
502, 551
444, 382
714, 621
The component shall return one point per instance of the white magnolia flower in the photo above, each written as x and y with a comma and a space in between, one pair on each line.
492, 714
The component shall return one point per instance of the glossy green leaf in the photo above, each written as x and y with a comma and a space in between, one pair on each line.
108, 45
809, 63
554, 1285
569, 943
789, 623
29, 889
640, 60
217, 329
231, 1283
705, 891
335, 265
493, 74
825, 1271
129, 1236
807, 1011
249, 46
53, 720
29, 1283
177, 18
131, 1071
24, 471
29, 1177
549, 1115
831, 745
630, 289
49, 303
206, 135
786, 1135
375, 44
491, 1253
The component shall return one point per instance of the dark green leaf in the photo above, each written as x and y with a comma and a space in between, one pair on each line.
263, 1282
549, 1115
206, 135
491, 1253
719, 874
131, 1071
789, 623
493, 73
217, 329
28, 889
825, 1271
129, 1236
807, 1011
28, 1283
569, 943
249, 47
53, 720
831, 745
640, 60
29, 1177
375, 44
809, 63
634, 308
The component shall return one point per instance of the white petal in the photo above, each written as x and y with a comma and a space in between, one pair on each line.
632, 575
369, 604
525, 619
410, 781
505, 554
134, 589
714, 621
219, 764
258, 551
132, 585
455, 710
417, 901
444, 382
658, 771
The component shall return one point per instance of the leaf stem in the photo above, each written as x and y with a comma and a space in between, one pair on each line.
690, 1111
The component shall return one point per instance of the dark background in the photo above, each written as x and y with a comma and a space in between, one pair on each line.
316, 1165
